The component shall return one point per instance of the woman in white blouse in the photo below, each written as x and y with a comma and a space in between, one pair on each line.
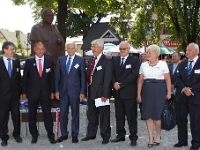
154, 87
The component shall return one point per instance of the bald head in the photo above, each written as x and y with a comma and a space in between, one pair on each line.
47, 16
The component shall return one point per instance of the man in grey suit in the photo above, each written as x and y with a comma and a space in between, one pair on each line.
10, 90
99, 86
176, 56
125, 74
70, 87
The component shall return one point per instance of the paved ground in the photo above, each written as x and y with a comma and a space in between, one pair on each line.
168, 138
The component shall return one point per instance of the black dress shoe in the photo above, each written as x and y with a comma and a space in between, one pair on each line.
117, 139
18, 139
34, 140
194, 148
88, 138
133, 143
52, 140
179, 145
60, 139
74, 139
105, 141
4, 143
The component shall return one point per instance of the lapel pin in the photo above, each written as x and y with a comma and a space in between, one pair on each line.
34, 64
185, 67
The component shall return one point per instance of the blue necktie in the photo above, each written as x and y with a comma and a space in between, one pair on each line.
189, 70
68, 65
9, 67
121, 65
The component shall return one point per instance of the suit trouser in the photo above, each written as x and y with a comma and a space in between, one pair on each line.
65, 102
126, 107
182, 113
5, 107
46, 112
93, 114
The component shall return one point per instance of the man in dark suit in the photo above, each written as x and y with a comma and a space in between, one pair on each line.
125, 74
10, 90
188, 98
38, 86
176, 56
70, 88
99, 86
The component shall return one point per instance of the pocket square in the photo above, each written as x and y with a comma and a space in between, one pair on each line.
48, 70
76, 66
99, 68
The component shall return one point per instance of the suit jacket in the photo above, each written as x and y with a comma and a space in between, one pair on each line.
173, 75
128, 77
10, 87
73, 83
32, 84
101, 78
193, 82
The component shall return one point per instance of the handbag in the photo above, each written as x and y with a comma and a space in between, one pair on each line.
168, 119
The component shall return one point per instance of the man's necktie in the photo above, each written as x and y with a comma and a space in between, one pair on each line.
40, 67
68, 65
189, 70
122, 64
9, 67
91, 70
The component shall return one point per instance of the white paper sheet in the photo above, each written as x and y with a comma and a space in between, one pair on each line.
98, 102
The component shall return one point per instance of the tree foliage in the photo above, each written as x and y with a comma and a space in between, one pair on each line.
180, 18
74, 17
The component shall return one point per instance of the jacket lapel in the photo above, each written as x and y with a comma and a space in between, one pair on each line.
126, 62
99, 62
73, 64
196, 66
4, 67
13, 67
44, 67
35, 66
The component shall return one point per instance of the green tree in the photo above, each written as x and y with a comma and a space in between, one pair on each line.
179, 17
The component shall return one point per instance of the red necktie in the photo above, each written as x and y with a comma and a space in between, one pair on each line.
40, 67
91, 70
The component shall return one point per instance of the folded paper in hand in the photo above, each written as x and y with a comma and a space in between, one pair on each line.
99, 102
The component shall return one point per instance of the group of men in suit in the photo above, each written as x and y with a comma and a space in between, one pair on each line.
72, 84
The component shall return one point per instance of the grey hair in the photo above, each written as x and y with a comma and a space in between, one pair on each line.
124, 42
99, 42
70, 42
155, 49
196, 46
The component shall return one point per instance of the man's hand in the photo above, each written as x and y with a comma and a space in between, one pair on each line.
139, 98
117, 85
24, 96
103, 99
82, 97
57, 95
187, 91
52, 96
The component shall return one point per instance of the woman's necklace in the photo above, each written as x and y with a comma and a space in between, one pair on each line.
153, 64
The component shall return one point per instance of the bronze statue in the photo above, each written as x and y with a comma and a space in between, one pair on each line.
47, 33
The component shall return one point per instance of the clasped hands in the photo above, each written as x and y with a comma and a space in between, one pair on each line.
187, 91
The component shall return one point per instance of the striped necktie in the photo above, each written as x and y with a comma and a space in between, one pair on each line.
68, 65
121, 65
189, 70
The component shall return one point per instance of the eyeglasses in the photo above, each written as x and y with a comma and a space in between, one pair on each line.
122, 49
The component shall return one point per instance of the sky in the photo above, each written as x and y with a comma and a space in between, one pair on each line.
15, 17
